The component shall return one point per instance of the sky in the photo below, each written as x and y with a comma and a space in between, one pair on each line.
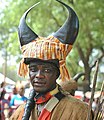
3, 3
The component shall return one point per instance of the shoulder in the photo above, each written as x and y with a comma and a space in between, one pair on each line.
14, 97
70, 100
24, 98
18, 112
74, 108
74, 105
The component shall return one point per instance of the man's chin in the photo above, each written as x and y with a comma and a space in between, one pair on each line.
40, 90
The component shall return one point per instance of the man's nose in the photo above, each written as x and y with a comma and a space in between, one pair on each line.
39, 74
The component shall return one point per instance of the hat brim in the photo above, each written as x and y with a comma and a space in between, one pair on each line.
53, 61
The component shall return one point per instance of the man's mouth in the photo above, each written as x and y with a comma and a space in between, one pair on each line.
39, 84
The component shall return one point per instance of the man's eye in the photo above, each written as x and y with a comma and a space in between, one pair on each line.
48, 70
33, 69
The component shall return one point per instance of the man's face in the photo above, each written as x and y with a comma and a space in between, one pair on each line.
43, 76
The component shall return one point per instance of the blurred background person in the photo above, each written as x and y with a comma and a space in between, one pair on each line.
12, 95
18, 99
14, 92
4, 104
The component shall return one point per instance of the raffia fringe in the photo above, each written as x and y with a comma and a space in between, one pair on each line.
63, 71
23, 69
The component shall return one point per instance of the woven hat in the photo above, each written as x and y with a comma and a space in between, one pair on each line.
54, 47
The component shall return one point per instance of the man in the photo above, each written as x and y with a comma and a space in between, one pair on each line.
44, 59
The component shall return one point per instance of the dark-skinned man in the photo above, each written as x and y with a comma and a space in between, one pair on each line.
44, 61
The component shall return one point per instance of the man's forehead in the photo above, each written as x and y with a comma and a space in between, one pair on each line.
35, 63
43, 65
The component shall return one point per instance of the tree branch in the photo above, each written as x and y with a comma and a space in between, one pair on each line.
81, 53
99, 59
77, 76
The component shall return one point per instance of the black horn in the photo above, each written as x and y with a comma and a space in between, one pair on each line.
26, 35
68, 32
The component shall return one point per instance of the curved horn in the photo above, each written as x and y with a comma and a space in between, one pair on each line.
69, 31
26, 35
